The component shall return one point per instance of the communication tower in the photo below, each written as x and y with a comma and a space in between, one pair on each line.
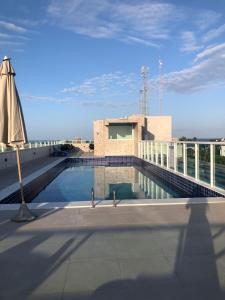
160, 87
143, 100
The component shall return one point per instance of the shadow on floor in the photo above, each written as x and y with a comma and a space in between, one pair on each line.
165, 261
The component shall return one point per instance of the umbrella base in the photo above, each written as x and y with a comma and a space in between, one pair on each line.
24, 214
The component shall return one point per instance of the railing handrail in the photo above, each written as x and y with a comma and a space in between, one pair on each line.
30, 145
207, 168
185, 142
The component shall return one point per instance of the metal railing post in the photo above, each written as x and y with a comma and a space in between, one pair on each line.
156, 154
145, 150
175, 157
148, 187
161, 153
92, 198
185, 158
212, 165
147, 143
196, 161
139, 149
114, 198
151, 151
141, 155
167, 155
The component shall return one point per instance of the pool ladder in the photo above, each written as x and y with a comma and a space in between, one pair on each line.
93, 198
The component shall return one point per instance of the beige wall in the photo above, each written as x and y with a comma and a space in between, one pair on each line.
160, 127
105, 146
151, 128
99, 138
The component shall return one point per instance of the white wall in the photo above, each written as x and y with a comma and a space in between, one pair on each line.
8, 159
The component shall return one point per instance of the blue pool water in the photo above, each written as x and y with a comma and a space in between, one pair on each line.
74, 184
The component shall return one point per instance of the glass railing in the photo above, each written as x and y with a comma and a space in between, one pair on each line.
36, 144
202, 161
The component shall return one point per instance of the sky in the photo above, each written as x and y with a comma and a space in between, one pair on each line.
77, 61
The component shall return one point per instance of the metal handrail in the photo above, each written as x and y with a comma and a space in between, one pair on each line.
114, 198
92, 198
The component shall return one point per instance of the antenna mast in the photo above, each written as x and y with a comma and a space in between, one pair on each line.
143, 101
160, 87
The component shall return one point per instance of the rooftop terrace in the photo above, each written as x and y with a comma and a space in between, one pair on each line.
133, 251
154, 252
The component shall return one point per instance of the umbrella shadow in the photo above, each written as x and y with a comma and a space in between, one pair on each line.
195, 275
27, 265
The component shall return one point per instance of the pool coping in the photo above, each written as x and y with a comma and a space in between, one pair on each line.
131, 202
119, 203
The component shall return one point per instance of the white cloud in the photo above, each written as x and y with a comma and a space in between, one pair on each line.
145, 22
12, 27
109, 104
208, 72
13, 39
7, 36
189, 42
83, 17
148, 19
207, 18
133, 39
214, 33
100, 84
71, 101
33, 98
210, 51
139, 23
6, 44
4, 35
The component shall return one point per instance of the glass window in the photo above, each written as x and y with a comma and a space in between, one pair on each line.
121, 131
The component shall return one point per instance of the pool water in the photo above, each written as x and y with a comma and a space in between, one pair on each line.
75, 183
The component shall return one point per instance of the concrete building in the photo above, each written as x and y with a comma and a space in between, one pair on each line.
121, 136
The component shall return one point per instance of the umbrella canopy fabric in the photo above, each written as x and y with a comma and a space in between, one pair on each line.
12, 126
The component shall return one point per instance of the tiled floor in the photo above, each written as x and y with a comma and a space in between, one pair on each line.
155, 252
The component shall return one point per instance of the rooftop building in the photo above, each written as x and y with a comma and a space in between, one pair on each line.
120, 136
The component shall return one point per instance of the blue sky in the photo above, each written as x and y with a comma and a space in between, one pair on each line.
78, 61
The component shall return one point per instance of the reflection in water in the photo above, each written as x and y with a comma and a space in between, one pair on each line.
75, 184
153, 190
129, 183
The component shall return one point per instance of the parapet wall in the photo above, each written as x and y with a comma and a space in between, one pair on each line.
8, 158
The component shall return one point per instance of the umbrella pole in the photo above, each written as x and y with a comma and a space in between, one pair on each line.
24, 214
19, 174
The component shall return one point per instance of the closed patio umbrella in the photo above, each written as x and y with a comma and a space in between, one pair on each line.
12, 126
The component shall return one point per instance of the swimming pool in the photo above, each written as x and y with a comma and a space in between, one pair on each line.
74, 183
128, 176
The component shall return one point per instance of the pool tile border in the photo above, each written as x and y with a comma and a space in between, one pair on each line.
183, 184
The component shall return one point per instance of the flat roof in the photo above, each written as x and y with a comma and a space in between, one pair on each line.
122, 122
